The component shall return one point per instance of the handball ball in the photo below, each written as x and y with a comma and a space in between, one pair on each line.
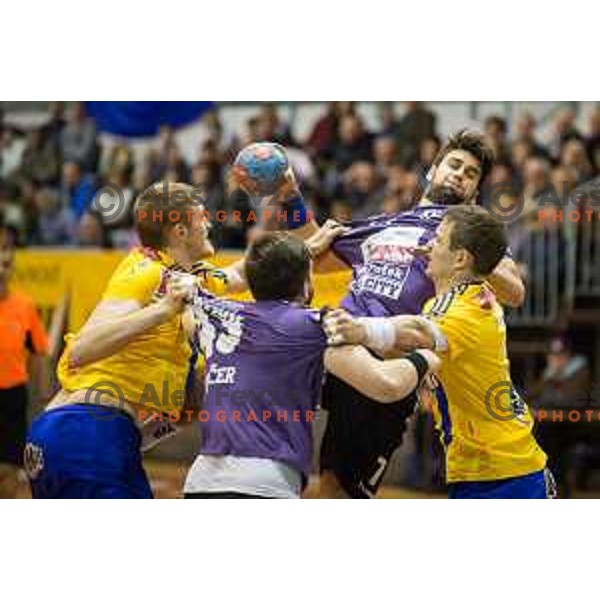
260, 168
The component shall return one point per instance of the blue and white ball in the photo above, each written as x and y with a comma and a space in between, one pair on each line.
260, 168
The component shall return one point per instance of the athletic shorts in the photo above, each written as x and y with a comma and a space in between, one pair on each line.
538, 485
13, 424
360, 436
84, 451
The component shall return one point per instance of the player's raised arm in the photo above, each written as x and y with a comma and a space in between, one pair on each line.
507, 283
318, 244
382, 380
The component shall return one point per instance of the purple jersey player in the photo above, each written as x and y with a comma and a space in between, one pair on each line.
264, 369
389, 279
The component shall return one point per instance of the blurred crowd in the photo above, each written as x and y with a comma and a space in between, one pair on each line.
49, 175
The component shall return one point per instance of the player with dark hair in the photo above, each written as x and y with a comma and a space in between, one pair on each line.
264, 369
389, 278
490, 450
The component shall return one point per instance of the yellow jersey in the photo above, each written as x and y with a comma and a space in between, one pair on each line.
152, 369
484, 425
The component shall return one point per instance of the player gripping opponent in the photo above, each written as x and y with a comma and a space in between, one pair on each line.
489, 453
389, 278
264, 370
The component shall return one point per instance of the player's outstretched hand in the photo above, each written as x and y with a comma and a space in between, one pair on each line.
180, 291
322, 239
341, 328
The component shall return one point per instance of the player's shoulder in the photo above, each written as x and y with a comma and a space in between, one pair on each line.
140, 262
466, 299
138, 276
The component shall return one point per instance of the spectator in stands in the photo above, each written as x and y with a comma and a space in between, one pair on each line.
56, 124
91, 232
417, 125
215, 134
539, 245
564, 181
564, 129
14, 208
501, 181
524, 131
361, 189
399, 193
354, 143
271, 128
77, 190
563, 385
56, 224
495, 135
520, 151
40, 161
119, 160
536, 178
78, 139
324, 135
206, 177
593, 140
175, 168
574, 156
117, 197
12, 148
166, 161
389, 119
385, 154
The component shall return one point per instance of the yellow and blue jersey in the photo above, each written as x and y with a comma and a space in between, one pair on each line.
153, 367
481, 444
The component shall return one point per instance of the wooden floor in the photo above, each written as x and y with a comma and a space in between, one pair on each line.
167, 480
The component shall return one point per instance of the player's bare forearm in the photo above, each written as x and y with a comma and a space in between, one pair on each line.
385, 381
107, 337
114, 324
507, 284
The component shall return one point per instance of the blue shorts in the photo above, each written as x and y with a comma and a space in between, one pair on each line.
536, 485
84, 451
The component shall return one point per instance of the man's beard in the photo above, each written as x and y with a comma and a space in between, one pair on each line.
442, 194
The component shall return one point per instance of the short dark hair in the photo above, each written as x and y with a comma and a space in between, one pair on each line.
473, 143
277, 267
476, 231
160, 207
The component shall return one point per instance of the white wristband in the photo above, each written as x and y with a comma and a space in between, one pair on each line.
380, 332
440, 342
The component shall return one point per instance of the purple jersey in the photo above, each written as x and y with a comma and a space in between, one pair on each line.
264, 370
388, 279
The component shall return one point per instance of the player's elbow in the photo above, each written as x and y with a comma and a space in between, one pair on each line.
392, 389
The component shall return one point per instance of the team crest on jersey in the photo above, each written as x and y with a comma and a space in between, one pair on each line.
33, 460
393, 244
432, 214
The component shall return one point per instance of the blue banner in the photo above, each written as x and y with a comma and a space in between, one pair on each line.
143, 119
